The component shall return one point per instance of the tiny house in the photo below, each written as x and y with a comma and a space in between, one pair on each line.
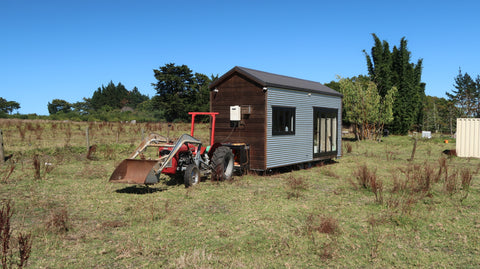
283, 120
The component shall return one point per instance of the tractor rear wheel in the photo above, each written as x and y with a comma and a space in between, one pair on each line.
222, 163
192, 175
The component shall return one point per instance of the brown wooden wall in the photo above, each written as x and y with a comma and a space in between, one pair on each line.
238, 90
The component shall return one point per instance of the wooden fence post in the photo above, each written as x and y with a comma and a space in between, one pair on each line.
414, 149
87, 133
2, 153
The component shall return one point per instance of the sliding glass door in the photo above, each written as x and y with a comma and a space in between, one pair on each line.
324, 131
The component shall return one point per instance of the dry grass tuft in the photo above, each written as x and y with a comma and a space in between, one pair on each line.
21, 131
390, 155
295, 186
68, 135
443, 168
398, 184
57, 221
7, 245
329, 172
466, 176
327, 250
7, 171
24, 248
373, 237
109, 153
321, 224
198, 258
324, 247
113, 224
377, 188
418, 178
364, 176
401, 205
348, 147
367, 179
450, 183
6, 213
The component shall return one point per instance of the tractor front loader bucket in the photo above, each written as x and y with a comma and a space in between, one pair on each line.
135, 171
138, 171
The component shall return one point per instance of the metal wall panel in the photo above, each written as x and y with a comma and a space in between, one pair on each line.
468, 137
290, 149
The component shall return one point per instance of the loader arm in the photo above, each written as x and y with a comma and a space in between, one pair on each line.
185, 138
151, 139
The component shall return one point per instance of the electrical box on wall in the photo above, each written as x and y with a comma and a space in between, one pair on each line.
235, 113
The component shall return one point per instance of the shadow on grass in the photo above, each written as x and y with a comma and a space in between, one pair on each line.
297, 167
146, 189
139, 190
174, 181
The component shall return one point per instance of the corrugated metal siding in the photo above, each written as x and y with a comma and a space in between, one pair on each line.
290, 149
468, 137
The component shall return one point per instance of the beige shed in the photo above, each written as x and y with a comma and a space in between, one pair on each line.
468, 137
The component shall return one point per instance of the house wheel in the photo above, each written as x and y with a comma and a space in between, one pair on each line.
222, 164
192, 175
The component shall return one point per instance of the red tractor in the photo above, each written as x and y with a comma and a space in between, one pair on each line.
186, 157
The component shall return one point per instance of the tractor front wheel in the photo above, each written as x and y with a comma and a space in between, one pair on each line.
192, 175
222, 163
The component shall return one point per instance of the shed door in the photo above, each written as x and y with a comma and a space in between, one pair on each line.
324, 131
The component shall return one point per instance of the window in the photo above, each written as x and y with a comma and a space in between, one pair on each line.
283, 120
324, 131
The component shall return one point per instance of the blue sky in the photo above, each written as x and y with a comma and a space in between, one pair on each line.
67, 49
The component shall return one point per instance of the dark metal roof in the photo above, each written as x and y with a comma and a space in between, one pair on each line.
266, 79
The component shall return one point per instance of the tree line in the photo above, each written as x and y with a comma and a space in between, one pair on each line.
390, 97
105, 101
179, 90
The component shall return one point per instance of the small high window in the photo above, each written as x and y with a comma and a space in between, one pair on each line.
283, 120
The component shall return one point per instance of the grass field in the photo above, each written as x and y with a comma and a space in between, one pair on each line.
372, 208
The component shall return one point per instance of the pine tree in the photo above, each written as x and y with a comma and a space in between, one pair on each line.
135, 97
111, 96
466, 95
